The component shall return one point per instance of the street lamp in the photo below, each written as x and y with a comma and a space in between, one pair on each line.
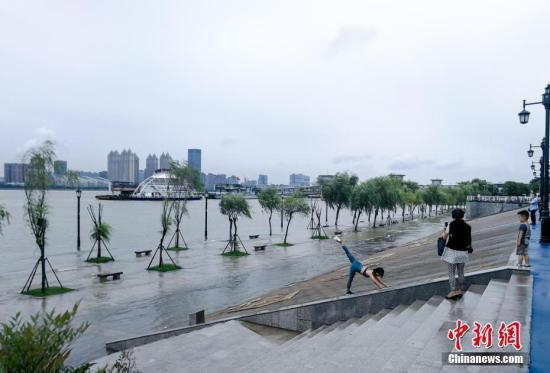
78, 195
524, 118
533, 166
205, 216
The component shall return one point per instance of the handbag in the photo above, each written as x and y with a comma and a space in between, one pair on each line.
440, 245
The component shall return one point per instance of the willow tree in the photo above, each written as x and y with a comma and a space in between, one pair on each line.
386, 190
183, 181
294, 204
234, 206
165, 223
337, 192
4, 217
100, 235
38, 178
363, 199
269, 200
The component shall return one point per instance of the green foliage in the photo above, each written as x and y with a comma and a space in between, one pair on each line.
235, 253
41, 345
291, 206
513, 188
233, 206
165, 268
534, 185
184, 179
269, 200
52, 290
337, 192
37, 181
101, 259
125, 363
4, 217
101, 231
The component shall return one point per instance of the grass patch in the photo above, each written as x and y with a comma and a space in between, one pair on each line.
177, 248
101, 259
54, 290
165, 268
319, 237
282, 244
235, 253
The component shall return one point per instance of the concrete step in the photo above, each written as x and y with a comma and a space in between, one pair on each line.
228, 345
349, 343
516, 306
413, 346
393, 345
430, 357
282, 353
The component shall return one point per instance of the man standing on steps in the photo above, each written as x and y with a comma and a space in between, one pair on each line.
533, 207
357, 267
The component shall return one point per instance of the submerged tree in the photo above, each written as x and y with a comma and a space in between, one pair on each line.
4, 217
294, 204
269, 200
318, 231
183, 181
37, 181
100, 234
363, 199
165, 222
234, 206
337, 192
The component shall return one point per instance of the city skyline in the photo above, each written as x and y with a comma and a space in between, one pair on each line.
341, 88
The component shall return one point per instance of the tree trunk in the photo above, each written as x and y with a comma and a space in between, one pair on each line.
375, 216
230, 229
270, 214
287, 225
337, 215
354, 216
43, 264
357, 221
235, 236
177, 235
369, 215
98, 247
403, 214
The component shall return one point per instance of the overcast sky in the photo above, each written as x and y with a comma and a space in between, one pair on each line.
430, 89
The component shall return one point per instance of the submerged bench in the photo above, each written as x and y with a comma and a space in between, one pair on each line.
254, 236
142, 252
105, 276
259, 247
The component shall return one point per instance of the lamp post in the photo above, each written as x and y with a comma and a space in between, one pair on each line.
78, 195
524, 118
205, 216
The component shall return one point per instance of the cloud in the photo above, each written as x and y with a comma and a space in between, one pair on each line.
40, 135
342, 159
228, 141
410, 161
349, 37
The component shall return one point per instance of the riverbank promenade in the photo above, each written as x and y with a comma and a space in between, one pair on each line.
313, 326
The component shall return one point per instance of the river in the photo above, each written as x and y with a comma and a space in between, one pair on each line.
143, 301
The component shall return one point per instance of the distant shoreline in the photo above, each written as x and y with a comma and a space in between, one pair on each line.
21, 187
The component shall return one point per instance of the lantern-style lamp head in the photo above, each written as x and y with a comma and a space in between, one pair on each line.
523, 116
534, 174
530, 153
78, 193
533, 167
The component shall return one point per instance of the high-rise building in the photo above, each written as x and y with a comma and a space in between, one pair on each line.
298, 180
60, 168
194, 159
151, 165
123, 166
437, 182
165, 160
14, 173
250, 183
262, 181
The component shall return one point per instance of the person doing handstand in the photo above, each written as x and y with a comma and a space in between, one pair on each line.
357, 267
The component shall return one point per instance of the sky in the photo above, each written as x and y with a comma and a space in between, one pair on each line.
429, 89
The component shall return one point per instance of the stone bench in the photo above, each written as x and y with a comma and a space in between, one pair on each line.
252, 236
143, 252
105, 276
259, 247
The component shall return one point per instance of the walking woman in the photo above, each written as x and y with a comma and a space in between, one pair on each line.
459, 245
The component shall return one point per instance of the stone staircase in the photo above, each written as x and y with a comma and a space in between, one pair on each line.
408, 338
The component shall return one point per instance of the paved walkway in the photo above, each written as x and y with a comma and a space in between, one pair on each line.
493, 242
540, 322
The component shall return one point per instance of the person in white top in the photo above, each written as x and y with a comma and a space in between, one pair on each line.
533, 207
